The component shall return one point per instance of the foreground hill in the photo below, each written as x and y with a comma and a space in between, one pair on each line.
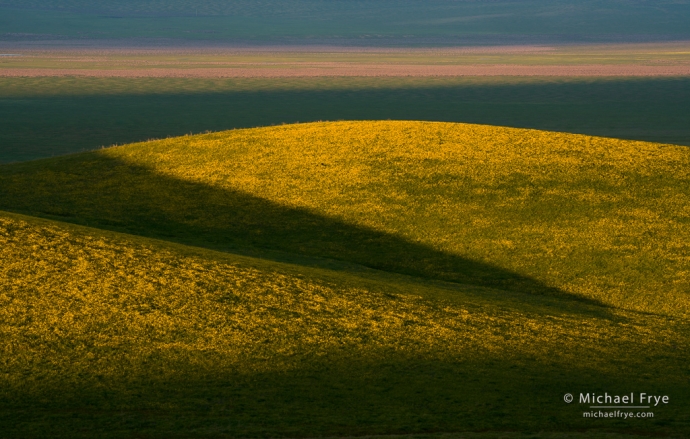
118, 336
579, 217
344, 279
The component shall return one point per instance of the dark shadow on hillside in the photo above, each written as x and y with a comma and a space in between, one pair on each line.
103, 192
333, 398
650, 109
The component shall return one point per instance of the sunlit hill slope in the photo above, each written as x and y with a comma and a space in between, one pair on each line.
344, 278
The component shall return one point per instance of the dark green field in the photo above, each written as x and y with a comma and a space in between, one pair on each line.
43, 117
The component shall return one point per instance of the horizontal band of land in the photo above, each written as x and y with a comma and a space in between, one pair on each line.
340, 69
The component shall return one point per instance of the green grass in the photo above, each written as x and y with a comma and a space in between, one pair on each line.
342, 279
43, 117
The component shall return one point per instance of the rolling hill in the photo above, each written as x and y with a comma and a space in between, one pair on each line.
345, 278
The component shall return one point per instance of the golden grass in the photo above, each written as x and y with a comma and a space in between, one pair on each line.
79, 303
126, 298
600, 218
590, 233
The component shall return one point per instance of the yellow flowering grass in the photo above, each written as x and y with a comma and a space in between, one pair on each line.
599, 219
344, 278
142, 336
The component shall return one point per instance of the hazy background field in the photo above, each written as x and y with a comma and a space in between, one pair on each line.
42, 117
367, 22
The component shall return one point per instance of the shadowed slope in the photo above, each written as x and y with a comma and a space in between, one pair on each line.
105, 192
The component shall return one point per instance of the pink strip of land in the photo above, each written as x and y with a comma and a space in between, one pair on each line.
344, 69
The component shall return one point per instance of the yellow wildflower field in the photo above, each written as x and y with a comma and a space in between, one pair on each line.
594, 218
108, 323
347, 278
579, 213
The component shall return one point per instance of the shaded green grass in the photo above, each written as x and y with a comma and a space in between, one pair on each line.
43, 117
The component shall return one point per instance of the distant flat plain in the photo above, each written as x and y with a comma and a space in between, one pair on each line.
651, 59
59, 100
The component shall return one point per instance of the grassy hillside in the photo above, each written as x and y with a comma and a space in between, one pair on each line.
351, 278
360, 21
118, 336
43, 117
599, 219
